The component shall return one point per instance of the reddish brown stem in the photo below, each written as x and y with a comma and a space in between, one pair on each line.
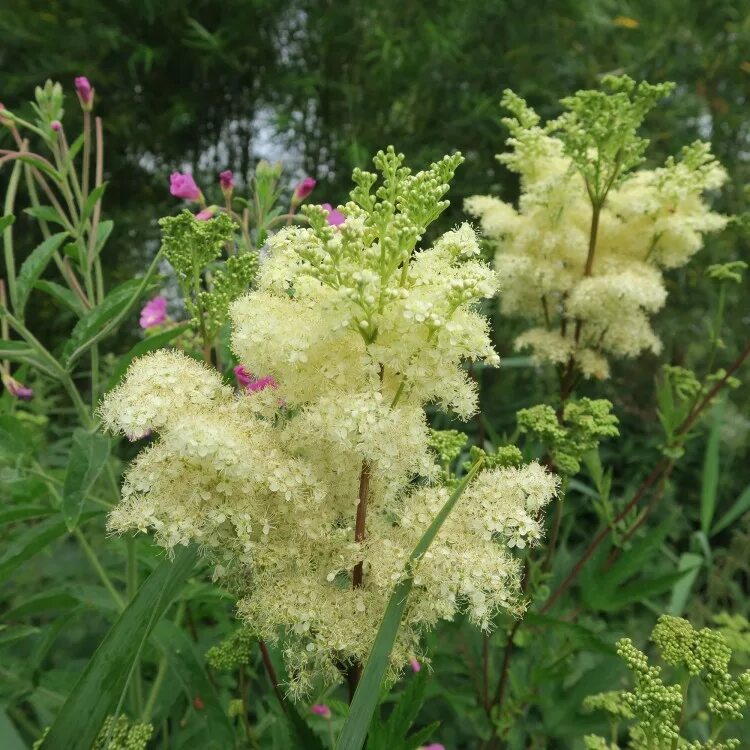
359, 528
661, 468
268, 664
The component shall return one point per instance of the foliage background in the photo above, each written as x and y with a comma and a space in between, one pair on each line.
321, 85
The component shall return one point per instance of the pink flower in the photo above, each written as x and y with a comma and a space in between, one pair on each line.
303, 189
334, 217
183, 186
415, 665
320, 709
433, 746
250, 383
56, 125
226, 181
154, 313
205, 214
85, 92
16, 389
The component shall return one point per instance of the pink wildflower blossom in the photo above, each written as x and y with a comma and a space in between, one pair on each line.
303, 189
16, 389
226, 181
415, 665
320, 709
56, 125
205, 214
85, 92
334, 217
183, 186
252, 384
154, 313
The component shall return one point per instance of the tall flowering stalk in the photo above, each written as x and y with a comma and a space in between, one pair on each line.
584, 253
310, 495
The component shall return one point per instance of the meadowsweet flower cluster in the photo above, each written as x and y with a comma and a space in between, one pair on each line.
656, 707
583, 255
311, 494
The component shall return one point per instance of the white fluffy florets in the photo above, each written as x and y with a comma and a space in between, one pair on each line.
652, 219
359, 330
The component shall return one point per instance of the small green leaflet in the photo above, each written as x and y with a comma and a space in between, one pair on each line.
88, 456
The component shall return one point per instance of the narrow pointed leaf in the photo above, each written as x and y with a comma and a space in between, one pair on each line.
100, 687
33, 267
365, 701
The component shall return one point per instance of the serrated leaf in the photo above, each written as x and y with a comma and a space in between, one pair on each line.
33, 267
105, 678
85, 332
88, 455
149, 344
45, 213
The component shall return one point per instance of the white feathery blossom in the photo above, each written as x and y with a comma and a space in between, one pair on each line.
592, 303
359, 330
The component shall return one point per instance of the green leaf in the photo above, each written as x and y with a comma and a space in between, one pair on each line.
88, 329
91, 201
15, 633
48, 601
739, 508
88, 456
105, 678
9, 737
157, 341
102, 234
22, 513
33, 267
186, 665
6, 221
45, 213
690, 563
32, 541
365, 701
61, 294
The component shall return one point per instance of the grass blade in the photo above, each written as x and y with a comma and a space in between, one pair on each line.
366, 697
106, 676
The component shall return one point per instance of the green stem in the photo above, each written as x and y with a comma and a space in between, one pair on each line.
94, 560
10, 261
136, 682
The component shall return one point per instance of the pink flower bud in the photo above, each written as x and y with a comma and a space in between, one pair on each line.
85, 92
16, 389
56, 125
433, 746
335, 217
251, 384
320, 709
205, 214
154, 313
226, 181
303, 189
183, 186
415, 665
